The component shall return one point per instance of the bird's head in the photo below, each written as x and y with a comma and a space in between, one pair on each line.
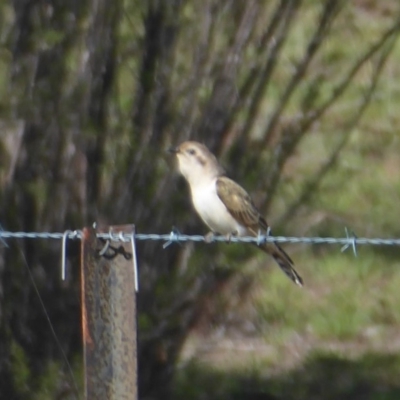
196, 162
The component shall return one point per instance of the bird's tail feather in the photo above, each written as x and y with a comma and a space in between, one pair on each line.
283, 260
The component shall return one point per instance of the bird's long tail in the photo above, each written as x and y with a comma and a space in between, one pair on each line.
283, 260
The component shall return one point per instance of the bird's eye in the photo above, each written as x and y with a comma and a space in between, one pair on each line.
192, 151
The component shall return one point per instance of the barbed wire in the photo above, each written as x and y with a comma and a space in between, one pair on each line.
176, 236
351, 240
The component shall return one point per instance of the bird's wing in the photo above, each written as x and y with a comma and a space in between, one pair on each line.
239, 204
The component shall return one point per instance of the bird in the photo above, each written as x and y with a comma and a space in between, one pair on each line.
223, 205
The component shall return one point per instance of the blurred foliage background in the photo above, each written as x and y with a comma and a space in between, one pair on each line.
298, 99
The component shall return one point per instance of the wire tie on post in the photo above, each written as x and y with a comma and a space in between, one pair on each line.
352, 241
113, 237
105, 248
173, 237
64, 252
122, 237
134, 260
107, 242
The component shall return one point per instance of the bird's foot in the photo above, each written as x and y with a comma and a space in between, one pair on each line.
209, 237
230, 235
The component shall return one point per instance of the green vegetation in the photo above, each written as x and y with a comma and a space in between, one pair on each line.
322, 375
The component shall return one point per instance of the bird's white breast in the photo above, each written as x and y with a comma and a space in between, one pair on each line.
212, 210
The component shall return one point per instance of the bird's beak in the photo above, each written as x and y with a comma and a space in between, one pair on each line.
173, 150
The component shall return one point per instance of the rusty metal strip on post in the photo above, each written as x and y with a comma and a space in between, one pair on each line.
108, 318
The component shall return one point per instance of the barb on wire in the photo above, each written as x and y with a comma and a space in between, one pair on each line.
261, 239
351, 236
1, 239
174, 236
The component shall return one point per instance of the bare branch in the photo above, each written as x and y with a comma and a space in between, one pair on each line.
293, 133
310, 187
329, 13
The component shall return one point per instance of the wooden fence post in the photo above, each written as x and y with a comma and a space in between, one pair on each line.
109, 317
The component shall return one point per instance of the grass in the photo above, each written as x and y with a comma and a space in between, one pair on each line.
323, 375
336, 338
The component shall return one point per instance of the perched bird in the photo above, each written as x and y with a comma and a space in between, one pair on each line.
222, 204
